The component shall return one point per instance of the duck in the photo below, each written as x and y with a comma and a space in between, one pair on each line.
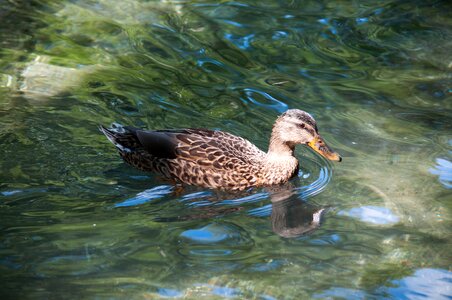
218, 159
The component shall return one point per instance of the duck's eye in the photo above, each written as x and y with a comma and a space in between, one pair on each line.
302, 125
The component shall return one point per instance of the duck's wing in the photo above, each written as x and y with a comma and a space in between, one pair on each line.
205, 147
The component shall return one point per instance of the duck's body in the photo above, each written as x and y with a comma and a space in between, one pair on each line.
216, 159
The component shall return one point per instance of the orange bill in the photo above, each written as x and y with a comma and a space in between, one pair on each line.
323, 149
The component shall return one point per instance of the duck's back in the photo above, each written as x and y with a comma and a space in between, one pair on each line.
195, 156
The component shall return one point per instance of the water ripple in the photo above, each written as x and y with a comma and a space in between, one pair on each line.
244, 200
263, 99
215, 241
242, 42
211, 65
303, 192
70, 265
146, 196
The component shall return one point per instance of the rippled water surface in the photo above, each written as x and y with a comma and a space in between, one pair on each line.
78, 223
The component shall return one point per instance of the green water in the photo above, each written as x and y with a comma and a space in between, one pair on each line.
78, 223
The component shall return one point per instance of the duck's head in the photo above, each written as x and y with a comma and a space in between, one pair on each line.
298, 127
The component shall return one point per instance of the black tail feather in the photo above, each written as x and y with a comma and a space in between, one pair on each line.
123, 139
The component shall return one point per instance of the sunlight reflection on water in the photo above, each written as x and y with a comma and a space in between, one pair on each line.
372, 214
443, 169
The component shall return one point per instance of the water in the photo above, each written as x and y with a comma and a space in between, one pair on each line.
76, 222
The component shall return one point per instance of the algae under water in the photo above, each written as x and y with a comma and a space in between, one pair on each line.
77, 223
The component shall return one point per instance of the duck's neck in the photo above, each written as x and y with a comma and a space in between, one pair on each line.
280, 164
278, 148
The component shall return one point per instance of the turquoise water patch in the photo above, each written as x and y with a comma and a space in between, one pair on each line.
423, 284
212, 233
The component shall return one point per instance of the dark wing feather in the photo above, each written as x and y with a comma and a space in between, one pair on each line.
159, 144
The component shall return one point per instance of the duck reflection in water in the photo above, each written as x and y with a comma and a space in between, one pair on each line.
291, 216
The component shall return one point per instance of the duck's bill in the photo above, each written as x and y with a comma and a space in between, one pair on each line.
323, 149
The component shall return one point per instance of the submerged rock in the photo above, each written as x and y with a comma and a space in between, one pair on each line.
40, 79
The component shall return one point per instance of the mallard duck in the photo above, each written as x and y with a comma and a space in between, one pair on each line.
217, 159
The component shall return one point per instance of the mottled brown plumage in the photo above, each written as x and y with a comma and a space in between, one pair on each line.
217, 159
